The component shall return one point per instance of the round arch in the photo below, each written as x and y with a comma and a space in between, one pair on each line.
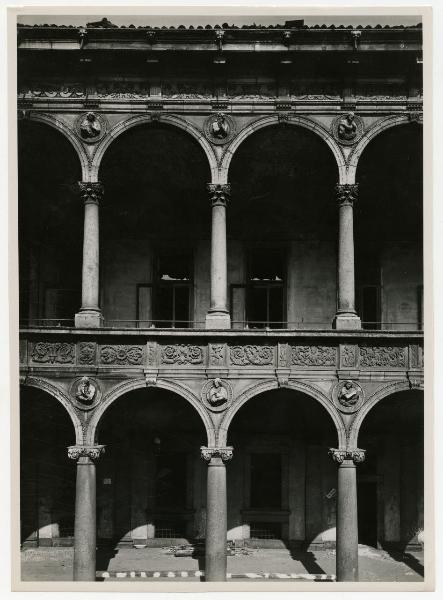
383, 392
172, 120
60, 126
297, 121
62, 397
135, 384
377, 128
272, 384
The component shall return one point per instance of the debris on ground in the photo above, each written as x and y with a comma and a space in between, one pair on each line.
198, 549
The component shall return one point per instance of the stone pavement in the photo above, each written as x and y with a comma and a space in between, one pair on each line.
55, 564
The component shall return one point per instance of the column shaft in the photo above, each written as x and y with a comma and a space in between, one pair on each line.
85, 521
218, 315
347, 523
216, 522
346, 317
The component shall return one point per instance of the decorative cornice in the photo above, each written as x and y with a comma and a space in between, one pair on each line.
219, 194
224, 453
92, 452
347, 193
91, 193
357, 455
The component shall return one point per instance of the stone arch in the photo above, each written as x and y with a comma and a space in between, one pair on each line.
62, 397
383, 392
377, 128
272, 384
60, 126
294, 120
167, 119
135, 384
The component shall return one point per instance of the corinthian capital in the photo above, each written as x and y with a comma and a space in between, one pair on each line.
219, 193
92, 452
91, 193
224, 453
347, 193
356, 455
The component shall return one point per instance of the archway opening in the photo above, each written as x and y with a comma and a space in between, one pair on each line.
388, 230
282, 227
390, 480
155, 228
150, 488
281, 482
47, 476
50, 226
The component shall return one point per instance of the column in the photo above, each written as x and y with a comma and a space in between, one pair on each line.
85, 511
346, 317
218, 314
216, 513
347, 516
89, 315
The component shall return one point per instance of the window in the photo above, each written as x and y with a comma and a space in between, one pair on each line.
266, 531
266, 480
265, 288
368, 287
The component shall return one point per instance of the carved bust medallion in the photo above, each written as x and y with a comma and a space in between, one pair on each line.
91, 127
216, 395
347, 129
85, 393
219, 128
347, 396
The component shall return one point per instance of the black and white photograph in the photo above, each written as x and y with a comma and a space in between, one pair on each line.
221, 300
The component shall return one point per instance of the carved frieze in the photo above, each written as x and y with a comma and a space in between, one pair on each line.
348, 356
283, 355
217, 354
121, 355
314, 356
251, 355
382, 356
52, 90
87, 353
122, 90
53, 352
182, 354
151, 354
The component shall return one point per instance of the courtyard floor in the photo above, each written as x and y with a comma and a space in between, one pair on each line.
55, 564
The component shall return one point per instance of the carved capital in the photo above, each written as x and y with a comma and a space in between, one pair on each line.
346, 193
224, 453
339, 455
219, 194
92, 452
91, 193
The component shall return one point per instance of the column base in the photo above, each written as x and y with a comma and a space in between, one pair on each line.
88, 319
346, 321
218, 320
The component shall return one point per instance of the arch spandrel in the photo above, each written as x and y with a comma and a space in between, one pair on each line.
265, 386
384, 391
121, 389
54, 391
293, 121
167, 119
59, 125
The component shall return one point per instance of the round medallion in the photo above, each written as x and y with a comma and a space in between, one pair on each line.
219, 128
347, 129
347, 396
90, 127
216, 395
85, 393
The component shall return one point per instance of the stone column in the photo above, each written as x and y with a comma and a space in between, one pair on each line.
218, 315
346, 317
90, 315
347, 516
216, 513
85, 511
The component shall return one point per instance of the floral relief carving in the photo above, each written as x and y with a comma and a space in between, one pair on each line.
53, 352
224, 453
382, 356
252, 355
86, 354
92, 452
348, 356
217, 354
314, 356
121, 355
182, 354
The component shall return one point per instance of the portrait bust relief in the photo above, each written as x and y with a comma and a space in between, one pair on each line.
216, 395
219, 128
91, 127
